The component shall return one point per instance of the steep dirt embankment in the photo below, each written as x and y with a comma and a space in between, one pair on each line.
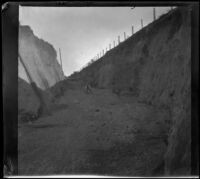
29, 103
27, 99
154, 65
40, 59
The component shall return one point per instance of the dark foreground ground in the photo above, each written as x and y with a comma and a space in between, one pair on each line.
97, 133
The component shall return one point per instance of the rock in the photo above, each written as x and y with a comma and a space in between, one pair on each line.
40, 59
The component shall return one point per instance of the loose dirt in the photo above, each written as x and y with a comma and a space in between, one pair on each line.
99, 133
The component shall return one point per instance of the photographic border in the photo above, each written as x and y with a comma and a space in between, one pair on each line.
10, 23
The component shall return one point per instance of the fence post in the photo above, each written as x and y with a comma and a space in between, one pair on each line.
132, 30
154, 13
60, 59
142, 23
118, 39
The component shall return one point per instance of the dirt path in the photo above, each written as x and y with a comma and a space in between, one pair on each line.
97, 133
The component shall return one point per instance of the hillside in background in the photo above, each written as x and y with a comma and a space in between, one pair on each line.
40, 59
137, 119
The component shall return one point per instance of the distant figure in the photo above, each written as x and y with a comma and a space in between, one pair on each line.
88, 89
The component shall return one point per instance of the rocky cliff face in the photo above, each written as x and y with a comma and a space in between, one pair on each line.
155, 65
40, 59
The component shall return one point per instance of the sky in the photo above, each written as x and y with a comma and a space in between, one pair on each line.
83, 32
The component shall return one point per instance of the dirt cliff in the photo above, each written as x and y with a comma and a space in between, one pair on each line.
30, 102
155, 66
40, 59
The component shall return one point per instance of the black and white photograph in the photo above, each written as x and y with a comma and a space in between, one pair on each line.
104, 91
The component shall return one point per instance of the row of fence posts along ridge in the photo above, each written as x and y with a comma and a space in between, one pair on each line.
115, 44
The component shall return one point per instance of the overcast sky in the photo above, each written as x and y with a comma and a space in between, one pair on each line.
83, 32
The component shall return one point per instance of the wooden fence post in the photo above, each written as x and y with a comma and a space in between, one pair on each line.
60, 59
132, 30
118, 39
154, 13
142, 23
